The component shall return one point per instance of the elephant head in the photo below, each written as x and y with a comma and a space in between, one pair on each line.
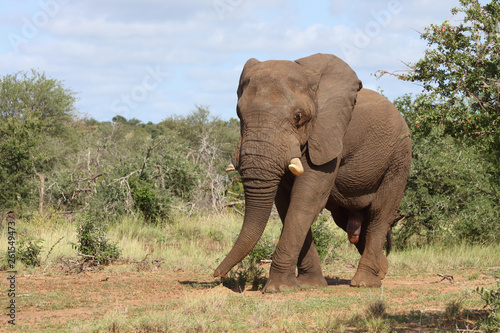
289, 110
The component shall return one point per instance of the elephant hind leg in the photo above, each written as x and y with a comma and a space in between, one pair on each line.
344, 219
373, 264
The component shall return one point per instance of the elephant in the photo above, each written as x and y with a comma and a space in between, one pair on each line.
312, 138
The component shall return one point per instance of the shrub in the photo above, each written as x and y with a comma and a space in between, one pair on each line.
29, 250
450, 194
324, 237
248, 270
153, 204
491, 299
376, 309
92, 241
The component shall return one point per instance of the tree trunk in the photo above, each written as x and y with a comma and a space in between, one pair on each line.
42, 190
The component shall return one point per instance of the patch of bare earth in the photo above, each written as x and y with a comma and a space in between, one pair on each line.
59, 299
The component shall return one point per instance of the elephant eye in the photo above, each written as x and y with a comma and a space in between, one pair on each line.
297, 117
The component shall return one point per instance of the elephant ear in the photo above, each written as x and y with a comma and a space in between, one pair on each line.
336, 93
243, 81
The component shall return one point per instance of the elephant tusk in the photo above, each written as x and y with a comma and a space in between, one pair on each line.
296, 167
230, 167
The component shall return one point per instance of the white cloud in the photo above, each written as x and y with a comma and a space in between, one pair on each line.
103, 49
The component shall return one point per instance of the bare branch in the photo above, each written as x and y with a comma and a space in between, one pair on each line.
125, 177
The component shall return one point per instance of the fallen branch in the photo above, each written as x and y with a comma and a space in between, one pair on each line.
125, 177
85, 179
234, 203
237, 211
444, 277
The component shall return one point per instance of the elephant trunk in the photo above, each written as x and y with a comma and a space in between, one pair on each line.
259, 198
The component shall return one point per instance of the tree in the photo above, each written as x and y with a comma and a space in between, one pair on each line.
209, 143
36, 114
460, 74
452, 189
454, 184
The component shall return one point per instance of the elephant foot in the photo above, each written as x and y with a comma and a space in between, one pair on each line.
315, 279
366, 277
280, 282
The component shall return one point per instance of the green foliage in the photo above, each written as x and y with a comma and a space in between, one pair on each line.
208, 143
92, 241
106, 168
324, 238
249, 270
29, 250
129, 167
263, 250
149, 200
181, 176
36, 113
452, 190
491, 299
454, 185
460, 74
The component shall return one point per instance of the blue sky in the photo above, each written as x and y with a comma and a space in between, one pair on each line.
150, 59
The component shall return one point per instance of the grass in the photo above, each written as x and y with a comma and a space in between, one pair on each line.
198, 243
438, 257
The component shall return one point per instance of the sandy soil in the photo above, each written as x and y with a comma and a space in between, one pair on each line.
60, 298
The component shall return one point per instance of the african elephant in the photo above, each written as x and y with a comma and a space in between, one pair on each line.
312, 138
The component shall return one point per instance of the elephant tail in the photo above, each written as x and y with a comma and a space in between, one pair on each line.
388, 242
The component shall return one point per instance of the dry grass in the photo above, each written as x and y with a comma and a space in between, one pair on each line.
412, 297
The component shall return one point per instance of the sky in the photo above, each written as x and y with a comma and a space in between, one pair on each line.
151, 59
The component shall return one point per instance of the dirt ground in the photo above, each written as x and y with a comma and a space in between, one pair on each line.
60, 298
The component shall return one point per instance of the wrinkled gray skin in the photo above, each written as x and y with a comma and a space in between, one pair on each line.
356, 155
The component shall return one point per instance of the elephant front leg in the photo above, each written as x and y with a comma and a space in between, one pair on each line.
296, 249
308, 265
282, 274
308, 197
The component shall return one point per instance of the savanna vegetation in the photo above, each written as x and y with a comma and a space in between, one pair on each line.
123, 196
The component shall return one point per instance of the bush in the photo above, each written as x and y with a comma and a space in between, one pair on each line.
263, 250
29, 250
452, 189
92, 241
35, 116
154, 204
248, 270
448, 195
491, 299
376, 309
324, 238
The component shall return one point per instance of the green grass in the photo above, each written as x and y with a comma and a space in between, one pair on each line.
438, 257
198, 243
201, 241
